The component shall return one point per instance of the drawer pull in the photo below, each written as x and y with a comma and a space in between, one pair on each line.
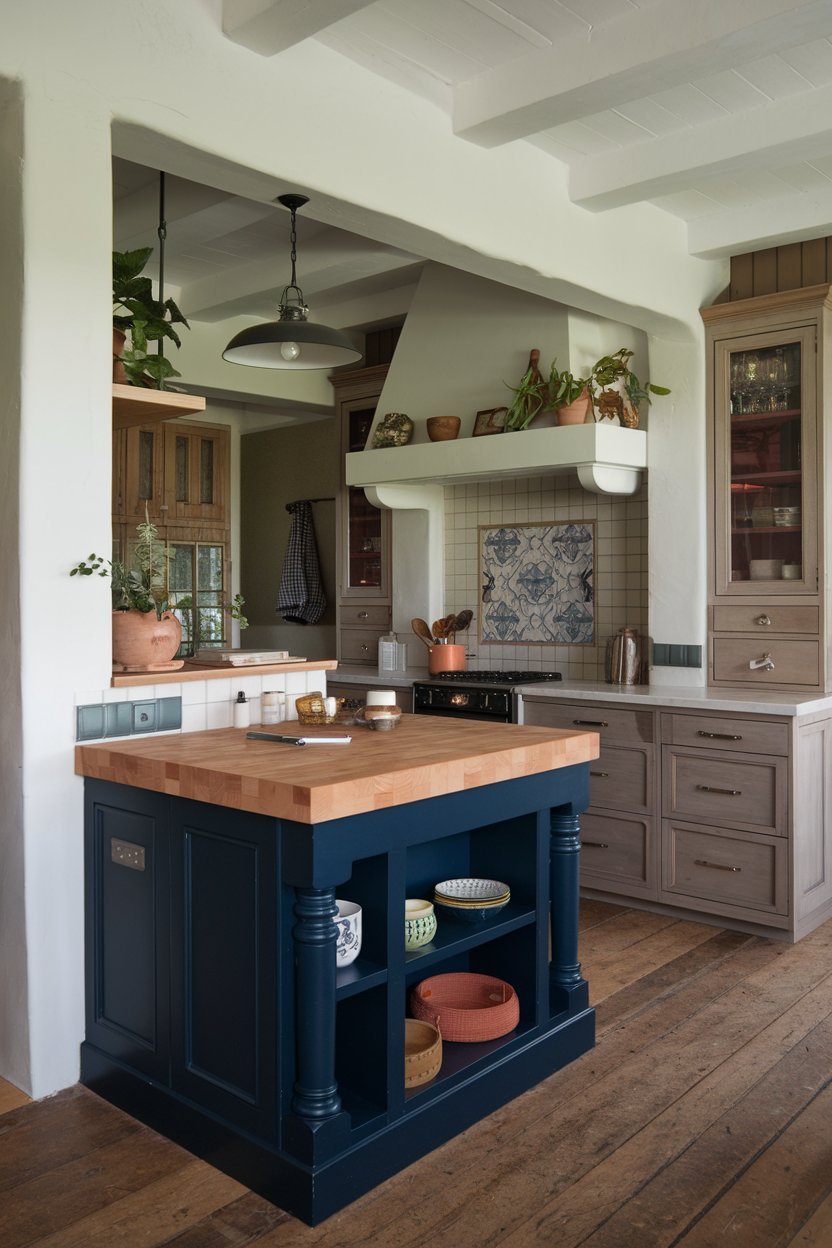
716, 866
720, 736
591, 723
604, 774
708, 788
363, 615
765, 664
596, 844
365, 649
763, 620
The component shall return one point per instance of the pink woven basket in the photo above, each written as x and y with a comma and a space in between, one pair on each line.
466, 1007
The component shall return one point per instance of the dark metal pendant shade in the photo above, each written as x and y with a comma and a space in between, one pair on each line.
291, 342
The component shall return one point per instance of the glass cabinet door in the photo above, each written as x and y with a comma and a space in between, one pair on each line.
765, 491
365, 528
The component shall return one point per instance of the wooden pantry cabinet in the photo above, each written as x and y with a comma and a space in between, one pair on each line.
363, 610
725, 816
769, 366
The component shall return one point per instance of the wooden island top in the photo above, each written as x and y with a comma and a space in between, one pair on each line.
424, 757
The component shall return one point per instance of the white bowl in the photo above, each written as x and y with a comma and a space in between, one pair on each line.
765, 569
348, 919
472, 889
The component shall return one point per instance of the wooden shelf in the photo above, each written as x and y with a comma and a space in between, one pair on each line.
133, 405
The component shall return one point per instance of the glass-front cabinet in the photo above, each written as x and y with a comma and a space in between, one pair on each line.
767, 500
765, 393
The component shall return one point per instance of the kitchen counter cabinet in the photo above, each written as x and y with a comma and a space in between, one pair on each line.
215, 1010
738, 826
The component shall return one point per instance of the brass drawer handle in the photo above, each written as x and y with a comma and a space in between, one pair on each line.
708, 788
763, 620
605, 774
716, 866
596, 844
720, 736
591, 723
766, 664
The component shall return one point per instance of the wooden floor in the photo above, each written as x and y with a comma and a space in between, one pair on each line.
702, 1117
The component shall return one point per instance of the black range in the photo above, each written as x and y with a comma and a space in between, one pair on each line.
477, 695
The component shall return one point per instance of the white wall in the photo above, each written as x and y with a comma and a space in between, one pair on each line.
182, 97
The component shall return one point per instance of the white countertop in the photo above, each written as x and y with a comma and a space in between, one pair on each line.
756, 701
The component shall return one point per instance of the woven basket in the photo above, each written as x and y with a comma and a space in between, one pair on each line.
468, 1007
422, 1052
311, 709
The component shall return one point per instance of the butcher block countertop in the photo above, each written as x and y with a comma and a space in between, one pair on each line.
424, 757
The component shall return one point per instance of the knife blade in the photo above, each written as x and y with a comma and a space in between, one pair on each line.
273, 736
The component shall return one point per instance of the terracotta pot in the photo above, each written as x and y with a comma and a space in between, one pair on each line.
443, 428
144, 643
119, 375
575, 413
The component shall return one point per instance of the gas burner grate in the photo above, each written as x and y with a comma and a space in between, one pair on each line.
497, 678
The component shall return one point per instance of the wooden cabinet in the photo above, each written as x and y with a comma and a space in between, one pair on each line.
362, 530
619, 841
178, 473
727, 815
768, 496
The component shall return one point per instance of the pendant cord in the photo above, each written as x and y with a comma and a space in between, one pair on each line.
162, 233
294, 253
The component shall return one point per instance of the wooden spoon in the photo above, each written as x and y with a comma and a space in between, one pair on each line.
462, 621
420, 628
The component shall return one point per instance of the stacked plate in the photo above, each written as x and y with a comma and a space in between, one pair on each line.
470, 899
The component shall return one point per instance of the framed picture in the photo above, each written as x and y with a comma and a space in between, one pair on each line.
491, 420
537, 584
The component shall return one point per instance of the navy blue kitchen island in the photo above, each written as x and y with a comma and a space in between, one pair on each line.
215, 1011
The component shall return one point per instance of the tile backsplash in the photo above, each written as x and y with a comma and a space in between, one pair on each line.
620, 573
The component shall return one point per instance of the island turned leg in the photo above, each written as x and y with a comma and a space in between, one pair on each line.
317, 1128
568, 988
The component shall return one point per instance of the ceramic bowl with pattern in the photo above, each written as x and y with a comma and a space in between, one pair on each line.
419, 922
472, 890
348, 920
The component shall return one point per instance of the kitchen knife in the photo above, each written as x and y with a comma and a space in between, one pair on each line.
273, 736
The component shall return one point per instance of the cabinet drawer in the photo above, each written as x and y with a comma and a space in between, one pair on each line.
622, 779
764, 620
729, 868
356, 616
611, 723
618, 854
359, 645
730, 789
795, 662
741, 736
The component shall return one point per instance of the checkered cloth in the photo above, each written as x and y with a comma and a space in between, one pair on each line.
300, 598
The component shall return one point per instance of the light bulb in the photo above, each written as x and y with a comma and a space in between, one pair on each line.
289, 350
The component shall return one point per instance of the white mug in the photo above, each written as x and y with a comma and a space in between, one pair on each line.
348, 920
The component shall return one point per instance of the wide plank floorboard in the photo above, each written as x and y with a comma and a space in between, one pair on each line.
700, 1117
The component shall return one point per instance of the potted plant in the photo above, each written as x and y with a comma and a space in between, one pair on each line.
146, 319
530, 397
146, 634
567, 395
625, 401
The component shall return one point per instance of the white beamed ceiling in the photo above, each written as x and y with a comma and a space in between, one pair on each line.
716, 111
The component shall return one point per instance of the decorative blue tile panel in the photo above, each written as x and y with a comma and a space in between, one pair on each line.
537, 584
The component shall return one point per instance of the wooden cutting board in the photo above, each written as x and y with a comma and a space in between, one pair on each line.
425, 756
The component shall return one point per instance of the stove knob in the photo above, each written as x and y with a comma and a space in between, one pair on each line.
459, 699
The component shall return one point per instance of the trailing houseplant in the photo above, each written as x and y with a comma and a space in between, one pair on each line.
607, 401
529, 397
146, 634
135, 311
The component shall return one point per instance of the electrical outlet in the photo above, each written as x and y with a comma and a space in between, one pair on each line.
144, 716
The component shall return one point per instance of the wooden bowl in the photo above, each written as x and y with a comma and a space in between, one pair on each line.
422, 1052
443, 428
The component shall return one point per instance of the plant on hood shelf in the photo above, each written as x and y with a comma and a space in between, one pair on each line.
135, 311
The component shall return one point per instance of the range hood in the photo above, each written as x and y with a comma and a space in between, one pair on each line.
608, 459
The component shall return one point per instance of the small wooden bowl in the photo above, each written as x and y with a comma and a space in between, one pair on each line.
422, 1052
443, 428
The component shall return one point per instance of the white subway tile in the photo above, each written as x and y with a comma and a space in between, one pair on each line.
194, 717
219, 714
219, 691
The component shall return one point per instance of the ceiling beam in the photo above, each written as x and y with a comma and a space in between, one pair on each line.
766, 223
272, 26
781, 133
648, 50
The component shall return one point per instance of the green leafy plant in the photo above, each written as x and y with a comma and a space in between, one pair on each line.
529, 399
611, 368
563, 387
142, 587
146, 319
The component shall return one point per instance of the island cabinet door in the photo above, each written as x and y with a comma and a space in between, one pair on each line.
223, 964
127, 933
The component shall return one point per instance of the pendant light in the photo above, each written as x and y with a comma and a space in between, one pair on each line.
291, 342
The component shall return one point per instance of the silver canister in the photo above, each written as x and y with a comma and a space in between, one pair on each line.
626, 658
